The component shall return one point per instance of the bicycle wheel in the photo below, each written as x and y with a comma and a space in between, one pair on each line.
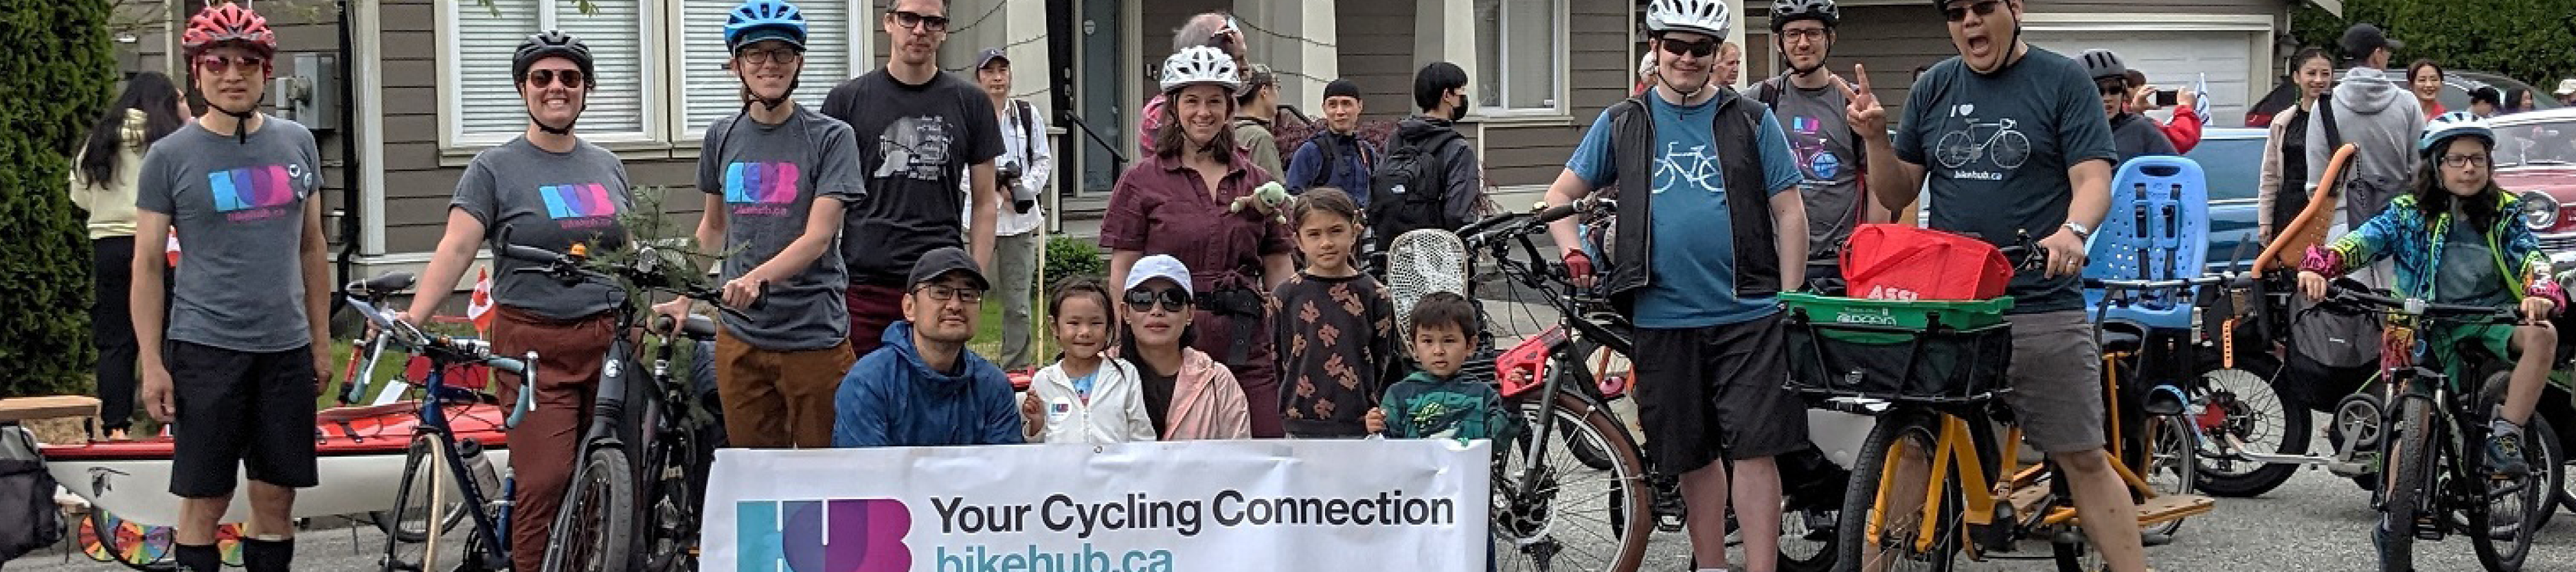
1899, 451
1560, 514
1808, 542
409, 544
2516, 509
2541, 449
2406, 482
133, 545
2172, 463
2241, 405
597, 523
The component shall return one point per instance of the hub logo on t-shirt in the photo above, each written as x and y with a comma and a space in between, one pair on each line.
761, 189
578, 206
915, 147
1810, 146
252, 193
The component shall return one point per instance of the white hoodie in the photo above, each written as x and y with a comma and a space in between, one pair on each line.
1115, 414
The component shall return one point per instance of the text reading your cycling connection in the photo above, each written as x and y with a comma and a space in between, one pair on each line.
1231, 508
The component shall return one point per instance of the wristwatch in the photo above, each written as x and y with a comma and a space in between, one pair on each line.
2081, 232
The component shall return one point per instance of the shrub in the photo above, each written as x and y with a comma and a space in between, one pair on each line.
61, 65
1068, 257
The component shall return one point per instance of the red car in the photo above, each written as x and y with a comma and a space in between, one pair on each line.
2536, 155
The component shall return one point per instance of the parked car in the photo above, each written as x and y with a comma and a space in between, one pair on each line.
2536, 155
2232, 159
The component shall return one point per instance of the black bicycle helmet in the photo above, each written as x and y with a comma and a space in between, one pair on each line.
552, 44
2102, 64
1785, 11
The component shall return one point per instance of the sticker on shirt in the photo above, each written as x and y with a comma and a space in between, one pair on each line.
761, 189
255, 193
578, 206
1697, 168
914, 147
1809, 143
1981, 150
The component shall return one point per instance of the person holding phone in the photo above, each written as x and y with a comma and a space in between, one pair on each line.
2184, 130
2132, 134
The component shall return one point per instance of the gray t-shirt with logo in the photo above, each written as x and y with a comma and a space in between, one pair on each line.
238, 206
1821, 139
1995, 149
552, 201
769, 176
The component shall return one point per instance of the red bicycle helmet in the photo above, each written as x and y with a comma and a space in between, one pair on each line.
228, 23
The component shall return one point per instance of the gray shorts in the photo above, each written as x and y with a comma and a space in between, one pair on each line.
2057, 381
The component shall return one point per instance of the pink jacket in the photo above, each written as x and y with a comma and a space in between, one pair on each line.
1207, 404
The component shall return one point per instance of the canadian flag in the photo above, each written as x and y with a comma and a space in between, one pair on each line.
171, 249
478, 308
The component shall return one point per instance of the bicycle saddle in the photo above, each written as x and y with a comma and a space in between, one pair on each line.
388, 283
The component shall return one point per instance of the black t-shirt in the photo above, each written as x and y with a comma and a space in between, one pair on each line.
915, 144
1158, 394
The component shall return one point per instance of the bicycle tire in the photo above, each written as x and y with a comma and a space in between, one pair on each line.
597, 522
1917, 431
2410, 462
1815, 551
671, 537
1577, 365
106, 525
386, 521
1525, 530
2248, 401
407, 547
2503, 540
2540, 442
2171, 450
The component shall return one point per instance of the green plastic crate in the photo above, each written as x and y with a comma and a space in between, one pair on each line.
1911, 315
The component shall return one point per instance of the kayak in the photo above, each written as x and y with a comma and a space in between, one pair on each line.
360, 459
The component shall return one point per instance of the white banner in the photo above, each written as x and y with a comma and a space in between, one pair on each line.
1247, 506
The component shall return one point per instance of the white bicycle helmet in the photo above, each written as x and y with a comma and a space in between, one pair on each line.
1200, 65
1708, 17
2454, 124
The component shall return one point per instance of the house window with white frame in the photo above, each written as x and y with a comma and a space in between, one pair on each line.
1520, 44
664, 93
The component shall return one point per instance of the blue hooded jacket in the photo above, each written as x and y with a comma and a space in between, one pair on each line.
893, 399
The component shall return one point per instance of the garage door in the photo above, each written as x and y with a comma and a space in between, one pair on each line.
2173, 59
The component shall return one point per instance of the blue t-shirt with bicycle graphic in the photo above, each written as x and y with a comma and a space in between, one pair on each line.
1694, 256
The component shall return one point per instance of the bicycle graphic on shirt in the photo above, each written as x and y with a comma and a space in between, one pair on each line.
1998, 141
1701, 169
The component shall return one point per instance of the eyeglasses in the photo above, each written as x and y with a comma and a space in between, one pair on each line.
1984, 9
1699, 49
772, 55
565, 78
2471, 160
221, 64
949, 294
924, 22
1808, 34
1173, 299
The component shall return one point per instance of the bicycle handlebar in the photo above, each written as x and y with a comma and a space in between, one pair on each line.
1496, 227
2228, 280
569, 269
2423, 308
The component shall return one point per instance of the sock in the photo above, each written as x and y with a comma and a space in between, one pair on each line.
2497, 425
267, 555
199, 558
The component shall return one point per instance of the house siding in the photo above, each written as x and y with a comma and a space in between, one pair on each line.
1376, 54
1598, 74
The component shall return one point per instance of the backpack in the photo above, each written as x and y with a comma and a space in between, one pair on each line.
1409, 190
2363, 196
1332, 157
26, 496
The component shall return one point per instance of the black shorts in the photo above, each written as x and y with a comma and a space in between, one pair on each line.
240, 409
1717, 392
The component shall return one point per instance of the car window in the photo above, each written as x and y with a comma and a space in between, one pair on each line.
2546, 143
2234, 167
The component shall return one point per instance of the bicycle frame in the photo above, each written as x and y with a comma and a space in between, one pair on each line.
436, 394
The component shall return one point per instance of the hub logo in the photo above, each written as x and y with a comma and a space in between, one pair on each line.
251, 188
843, 535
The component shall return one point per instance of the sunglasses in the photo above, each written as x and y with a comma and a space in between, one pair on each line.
1699, 49
1984, 9
221, 64
565, 78
924, 22
1173, 299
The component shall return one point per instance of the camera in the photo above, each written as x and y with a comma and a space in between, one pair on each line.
1007, 173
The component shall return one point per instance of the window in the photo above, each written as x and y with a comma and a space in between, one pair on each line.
648, 92
708, 91
486, 108
1521, 46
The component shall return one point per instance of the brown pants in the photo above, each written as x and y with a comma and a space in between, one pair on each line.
778, 399
569, 355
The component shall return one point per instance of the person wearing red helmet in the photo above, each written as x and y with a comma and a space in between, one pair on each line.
238, 376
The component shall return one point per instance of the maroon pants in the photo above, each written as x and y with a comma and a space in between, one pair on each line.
872, 308
569, 356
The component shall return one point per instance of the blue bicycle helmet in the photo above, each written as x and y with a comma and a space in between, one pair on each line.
2454, 124
756, 20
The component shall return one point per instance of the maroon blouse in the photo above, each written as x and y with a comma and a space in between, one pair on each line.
1163, 207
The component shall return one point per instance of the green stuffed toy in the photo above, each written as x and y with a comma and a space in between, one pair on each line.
1269, 199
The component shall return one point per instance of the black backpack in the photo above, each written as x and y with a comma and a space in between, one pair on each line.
1409, 189
2363, 196
26, 496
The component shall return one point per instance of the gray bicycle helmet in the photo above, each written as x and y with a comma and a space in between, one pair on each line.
2101, 64
1785, 11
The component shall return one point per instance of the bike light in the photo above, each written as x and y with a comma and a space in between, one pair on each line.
2539, 211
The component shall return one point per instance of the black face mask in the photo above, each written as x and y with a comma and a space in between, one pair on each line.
1460, 111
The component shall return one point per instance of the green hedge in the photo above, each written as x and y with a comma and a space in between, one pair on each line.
1068, 257
2530, 40
59, 70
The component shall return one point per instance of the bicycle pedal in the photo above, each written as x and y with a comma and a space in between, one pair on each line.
1996, 538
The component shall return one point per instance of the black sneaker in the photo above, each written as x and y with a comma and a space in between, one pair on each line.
2504, 456
1668, 508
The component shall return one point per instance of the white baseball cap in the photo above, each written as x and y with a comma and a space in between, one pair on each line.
2567, 87
1162, 266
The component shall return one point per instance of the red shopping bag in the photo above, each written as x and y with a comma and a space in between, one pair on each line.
1901, 262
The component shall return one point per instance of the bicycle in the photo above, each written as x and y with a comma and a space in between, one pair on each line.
2433, 483
2179, 406
653, 454
437, 459
1931, 371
